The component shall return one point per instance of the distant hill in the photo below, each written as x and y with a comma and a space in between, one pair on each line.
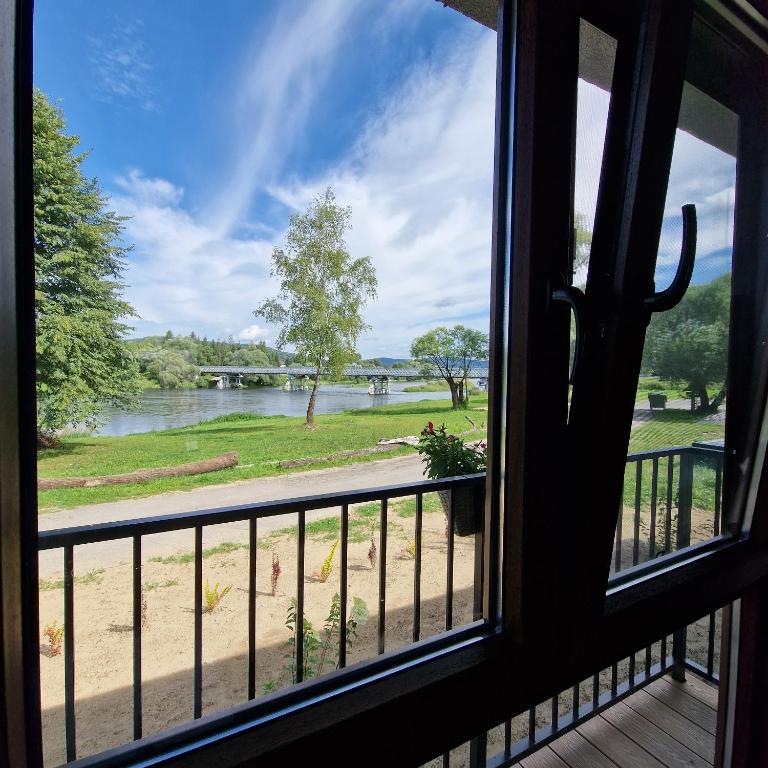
390, 361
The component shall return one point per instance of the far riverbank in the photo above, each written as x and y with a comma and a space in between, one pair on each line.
262, 442
161, 409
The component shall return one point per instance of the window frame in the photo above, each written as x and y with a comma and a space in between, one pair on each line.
493, 669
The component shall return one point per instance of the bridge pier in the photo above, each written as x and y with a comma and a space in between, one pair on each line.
378, 385
292, 385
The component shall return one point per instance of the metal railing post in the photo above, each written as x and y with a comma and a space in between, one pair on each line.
478, 749
683, 540
477, 609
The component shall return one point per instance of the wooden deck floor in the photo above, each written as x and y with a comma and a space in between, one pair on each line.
664, 725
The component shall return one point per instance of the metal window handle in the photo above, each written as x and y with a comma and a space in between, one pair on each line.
662, 301
575, 299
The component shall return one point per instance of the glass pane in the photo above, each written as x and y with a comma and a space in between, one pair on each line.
168, 384
673, 483
597, 55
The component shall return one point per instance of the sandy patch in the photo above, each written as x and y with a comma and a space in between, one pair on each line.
104, 641
103, 619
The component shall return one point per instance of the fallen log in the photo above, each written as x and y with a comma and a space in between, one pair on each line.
225, 461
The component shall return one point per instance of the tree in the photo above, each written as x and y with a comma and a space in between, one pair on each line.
82, 363
322, 291
690, 342
582, 241
451, 353
170, 368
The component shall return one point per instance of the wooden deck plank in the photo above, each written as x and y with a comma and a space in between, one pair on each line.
694, 686
575, 750
543, 758
650, 737
618, 747
693, 736
681, 701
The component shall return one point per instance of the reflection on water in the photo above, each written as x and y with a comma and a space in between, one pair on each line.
168, 408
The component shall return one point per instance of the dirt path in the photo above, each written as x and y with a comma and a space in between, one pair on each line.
371, 474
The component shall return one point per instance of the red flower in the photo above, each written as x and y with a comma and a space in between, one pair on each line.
430, 430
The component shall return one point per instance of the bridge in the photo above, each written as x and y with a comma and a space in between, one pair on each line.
378, 376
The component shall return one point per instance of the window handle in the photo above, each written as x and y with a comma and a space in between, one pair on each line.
574, 297
670, 297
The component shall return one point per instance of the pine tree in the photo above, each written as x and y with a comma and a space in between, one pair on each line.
82, 362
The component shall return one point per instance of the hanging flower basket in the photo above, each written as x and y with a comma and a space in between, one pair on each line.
448, 456
468, 508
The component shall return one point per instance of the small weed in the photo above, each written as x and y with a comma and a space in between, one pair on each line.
327, 567
372, 553
410, 550
95, 576
269, 686
189, 557
319, 650
326, 529
54, 632
276, 571
153, 586
213, 597
92, 577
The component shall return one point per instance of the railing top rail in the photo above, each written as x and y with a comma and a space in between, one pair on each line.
677, 450
125, 529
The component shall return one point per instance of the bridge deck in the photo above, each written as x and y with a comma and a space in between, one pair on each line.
392, 373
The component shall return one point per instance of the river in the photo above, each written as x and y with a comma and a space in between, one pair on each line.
168, 408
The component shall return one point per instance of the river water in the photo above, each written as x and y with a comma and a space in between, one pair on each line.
168, 408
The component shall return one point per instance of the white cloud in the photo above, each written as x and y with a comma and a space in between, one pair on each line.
122, 66
181, 275
253, 333
282, 78
419, 181
706, 176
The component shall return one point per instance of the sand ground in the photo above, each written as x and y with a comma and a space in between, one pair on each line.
103, 628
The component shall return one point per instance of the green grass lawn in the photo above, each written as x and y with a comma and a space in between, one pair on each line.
673, 427
262, 442
668, 429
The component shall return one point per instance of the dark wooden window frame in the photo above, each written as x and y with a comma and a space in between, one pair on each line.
435, 694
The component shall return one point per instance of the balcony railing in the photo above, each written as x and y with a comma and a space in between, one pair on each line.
135, 531
672, 499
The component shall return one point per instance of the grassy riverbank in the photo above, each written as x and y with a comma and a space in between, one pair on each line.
262, 442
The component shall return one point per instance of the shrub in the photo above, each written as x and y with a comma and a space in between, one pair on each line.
327, 567
276, 571
55, 634
447, 456
319, 650
213, 597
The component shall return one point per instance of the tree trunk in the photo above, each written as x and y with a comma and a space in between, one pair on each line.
700, 391
717, 401
454, 393
47, 440
462, 395
708, 406
312, 400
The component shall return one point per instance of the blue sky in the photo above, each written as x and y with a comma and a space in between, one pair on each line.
210, 124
